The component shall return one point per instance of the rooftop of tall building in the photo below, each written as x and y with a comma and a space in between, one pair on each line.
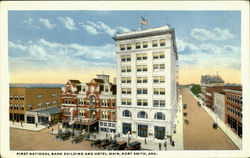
211, 79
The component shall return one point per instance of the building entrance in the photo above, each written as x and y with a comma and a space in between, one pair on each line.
159, 132
126, 127
142, 130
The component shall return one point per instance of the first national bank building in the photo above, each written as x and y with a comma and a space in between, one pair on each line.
147, 82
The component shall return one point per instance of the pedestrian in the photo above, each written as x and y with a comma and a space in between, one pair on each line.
145, 141
36, 124
48, 126
159, 146
165, 145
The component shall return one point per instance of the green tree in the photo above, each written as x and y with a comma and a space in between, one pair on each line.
196, 89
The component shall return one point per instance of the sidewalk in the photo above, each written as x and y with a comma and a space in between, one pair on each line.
233, 137
154, 144
27, 126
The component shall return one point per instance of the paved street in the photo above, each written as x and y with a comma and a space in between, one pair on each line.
30, 140
199, 134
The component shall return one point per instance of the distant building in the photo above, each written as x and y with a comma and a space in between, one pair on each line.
147, 81
35, 103
90, 106
233, 109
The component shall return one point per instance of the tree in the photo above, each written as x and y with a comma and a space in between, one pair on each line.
196, 89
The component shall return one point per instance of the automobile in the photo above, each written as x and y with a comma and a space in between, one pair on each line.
186, 121
134, 146
215, 125
96, 142
112, 144
77, 139
121, 145
55, 137
104, 143
64, 136
184, 106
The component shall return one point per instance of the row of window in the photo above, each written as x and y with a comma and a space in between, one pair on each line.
16, 97
235, 111
144, 115
156, 79
157, 91
144, 102
143, 56
105, 124
234, 99
105, 103
144, 44
17, 107
143, 68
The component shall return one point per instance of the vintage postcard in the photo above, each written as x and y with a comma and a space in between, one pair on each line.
148, 79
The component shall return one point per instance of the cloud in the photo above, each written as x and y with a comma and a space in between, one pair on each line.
29, 21
216, 34
208, 55
68, 23
43, 54
99, 27
47, 23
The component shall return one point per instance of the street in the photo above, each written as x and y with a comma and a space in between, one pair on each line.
199, 134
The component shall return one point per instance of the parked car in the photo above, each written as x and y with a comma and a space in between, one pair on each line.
104, 143
78, 139
215, 125
184, 106
96, 142
64, 135
112, 144
121, 145
134, 146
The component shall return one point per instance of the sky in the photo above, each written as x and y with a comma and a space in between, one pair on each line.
55, 46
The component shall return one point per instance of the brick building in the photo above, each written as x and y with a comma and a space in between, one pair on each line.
90, 106
27, 102
233, 109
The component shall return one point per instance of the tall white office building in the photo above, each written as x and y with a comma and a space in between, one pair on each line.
147, 82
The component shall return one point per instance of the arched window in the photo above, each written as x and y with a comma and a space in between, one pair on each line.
126, 113
159, 116
142, 114
92, 100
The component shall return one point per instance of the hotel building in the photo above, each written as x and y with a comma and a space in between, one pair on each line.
90, 106
147, 81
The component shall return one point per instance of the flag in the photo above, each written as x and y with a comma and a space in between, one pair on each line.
143, 21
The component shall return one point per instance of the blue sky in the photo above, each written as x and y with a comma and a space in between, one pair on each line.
82, 40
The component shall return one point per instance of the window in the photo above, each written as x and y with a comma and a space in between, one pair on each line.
67, 111
11, 97
53, 103
159, 91
142, 102
142, 56
104, 115
30, 107
142, 114
159, 79
126, 90
158, 55
159, 66
126, 68
128, 46
122, 46
39, 105
154, 43
126, 57
101, 123
39, 97
81, 112
21, 97
162, 42
104, 102
21, 107
145, 44
84, 89
47, 104
126, 101
15, 97
142, 80
142, 91
141, 68
10, 106
16, 107
126, 113
138, 45
53, 95
159, 116
126, 79
106, 89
